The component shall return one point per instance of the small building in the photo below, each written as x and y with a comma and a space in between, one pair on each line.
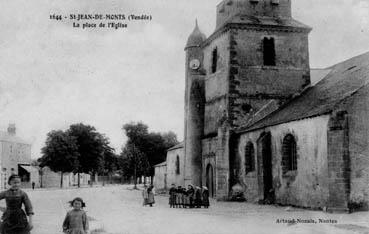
160, 178
51, 179
34, 176
172, 170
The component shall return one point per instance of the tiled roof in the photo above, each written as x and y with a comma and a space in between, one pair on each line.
343, 81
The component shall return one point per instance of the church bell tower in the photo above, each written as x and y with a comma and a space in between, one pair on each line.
194, 108
256, 59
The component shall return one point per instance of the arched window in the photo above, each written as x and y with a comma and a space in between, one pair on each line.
289, 157
269, 51
177, 165
214, 61
249, 157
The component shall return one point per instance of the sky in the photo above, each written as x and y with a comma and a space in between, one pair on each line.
53, 75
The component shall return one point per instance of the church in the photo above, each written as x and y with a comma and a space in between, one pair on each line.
258, 118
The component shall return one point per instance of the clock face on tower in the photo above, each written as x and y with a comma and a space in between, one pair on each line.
194, 64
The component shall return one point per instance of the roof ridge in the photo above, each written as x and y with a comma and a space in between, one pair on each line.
347, 60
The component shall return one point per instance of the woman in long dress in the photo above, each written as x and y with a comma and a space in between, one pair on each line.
145, 196
14, 219
150, 196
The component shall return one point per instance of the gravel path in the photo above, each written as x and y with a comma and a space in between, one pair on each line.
119, 210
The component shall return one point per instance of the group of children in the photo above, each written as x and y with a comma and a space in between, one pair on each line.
14, 219
192, 197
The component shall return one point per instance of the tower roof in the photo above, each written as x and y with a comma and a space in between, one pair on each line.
196, 37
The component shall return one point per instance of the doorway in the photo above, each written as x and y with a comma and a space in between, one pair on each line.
210, 179
265, 174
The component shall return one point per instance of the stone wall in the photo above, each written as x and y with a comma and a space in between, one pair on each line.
253, 85
172, 175
160, 177
216, 84
229, 8
358, 114
222, 163
338, 162
51, 179
311, 178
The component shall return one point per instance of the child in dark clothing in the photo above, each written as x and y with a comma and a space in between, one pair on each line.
172, 196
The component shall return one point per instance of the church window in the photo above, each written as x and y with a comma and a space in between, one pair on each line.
249, 157
214, 60
177, 165
269, 51
246, 108
289, 156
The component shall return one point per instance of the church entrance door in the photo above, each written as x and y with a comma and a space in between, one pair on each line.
265, 175
210, 179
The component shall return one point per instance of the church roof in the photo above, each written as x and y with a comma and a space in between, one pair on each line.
5, 136
161, 164
342, 82
178, 146
196, 38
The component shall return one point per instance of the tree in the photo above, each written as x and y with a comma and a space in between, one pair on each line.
91, 148
170, 139
152, 145
35, 163
133, 162
60, 153
110, 161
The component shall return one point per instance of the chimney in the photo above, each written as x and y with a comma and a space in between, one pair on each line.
11, 129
